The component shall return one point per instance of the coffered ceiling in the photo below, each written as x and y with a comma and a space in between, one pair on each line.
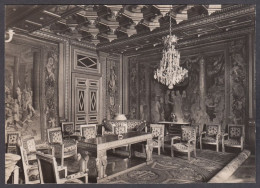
126, 27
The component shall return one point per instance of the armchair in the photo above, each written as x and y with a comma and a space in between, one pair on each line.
211, 135
236, 136
49, 172
187, 141
62, 148
157, 131
28, 150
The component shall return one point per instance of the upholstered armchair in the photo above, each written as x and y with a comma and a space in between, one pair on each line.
211, 136
187, 141
49, 171
235, 137
62, 148
88, 131
157, 131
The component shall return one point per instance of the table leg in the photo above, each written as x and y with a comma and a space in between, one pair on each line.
16, 175
101, 164
149, 150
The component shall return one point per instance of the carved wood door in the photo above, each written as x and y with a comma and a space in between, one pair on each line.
85, 99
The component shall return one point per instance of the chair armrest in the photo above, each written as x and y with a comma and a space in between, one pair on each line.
224, 135
191, 140
202, 133
56, 144
175, 138
160, 138
218, 136
242, 140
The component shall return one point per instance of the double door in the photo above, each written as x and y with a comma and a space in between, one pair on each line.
85, 99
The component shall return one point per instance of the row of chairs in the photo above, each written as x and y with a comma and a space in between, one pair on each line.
191, 136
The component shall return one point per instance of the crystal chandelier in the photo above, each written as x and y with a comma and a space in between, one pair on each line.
170, 73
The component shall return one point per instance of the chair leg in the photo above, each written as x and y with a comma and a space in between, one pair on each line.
172, 154
217, 147
159, 150
188, 155
195, 153
223, 148
114, 150
163, 147
201, 145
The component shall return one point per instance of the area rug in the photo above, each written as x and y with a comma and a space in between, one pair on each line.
167, 170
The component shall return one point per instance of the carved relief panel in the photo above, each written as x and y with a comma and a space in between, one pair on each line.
238, 81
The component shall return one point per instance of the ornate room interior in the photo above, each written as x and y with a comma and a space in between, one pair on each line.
130, 94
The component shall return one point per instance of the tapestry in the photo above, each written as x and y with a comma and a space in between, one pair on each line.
21, 114
238, 82
215, 88
112, 72
31, 96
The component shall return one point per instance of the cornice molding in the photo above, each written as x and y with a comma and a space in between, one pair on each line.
61, 38
242, 10
228, 34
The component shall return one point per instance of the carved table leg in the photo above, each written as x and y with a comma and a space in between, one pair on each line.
101, 164
149, 150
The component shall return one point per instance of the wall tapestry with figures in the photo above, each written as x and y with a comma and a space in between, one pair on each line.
30, 88
112, 72
222, 100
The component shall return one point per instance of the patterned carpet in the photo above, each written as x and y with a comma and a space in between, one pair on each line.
165, 169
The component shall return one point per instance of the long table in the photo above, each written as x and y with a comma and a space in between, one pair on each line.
99, 146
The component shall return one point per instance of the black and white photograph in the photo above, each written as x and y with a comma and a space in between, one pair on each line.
129, 93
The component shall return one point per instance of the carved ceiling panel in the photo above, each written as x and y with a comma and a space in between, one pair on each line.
105, 25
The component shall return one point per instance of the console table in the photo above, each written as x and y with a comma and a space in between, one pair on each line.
99, 146
173, 128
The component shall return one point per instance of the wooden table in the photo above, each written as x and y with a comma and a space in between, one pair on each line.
173, 128
11, 167
99, 146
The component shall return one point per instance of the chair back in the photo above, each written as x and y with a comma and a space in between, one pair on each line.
157, 130
67, 128
236, 131
48, 168
119, 129
187, 133
28, 144
54, 135
213, 129
88, 131
12, 138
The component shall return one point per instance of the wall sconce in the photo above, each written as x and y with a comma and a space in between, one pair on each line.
10, 33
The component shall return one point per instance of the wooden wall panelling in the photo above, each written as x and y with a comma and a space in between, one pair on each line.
125, 84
